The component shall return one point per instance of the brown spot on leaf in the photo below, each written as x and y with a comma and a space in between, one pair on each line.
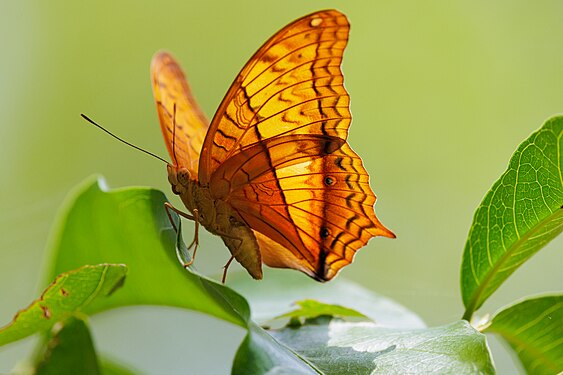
64, 292
46, 312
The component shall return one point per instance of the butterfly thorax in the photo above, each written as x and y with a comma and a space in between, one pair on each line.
219, 218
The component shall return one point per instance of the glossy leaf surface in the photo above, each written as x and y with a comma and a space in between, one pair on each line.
325, 346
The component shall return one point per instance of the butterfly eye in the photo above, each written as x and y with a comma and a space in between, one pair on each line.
183, 176
325, 232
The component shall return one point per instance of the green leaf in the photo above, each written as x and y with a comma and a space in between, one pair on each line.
260, 353
518, 216
534, 329
71, 292
112, 367
69, 350
280, 289
330, 346
130, 226
308, 309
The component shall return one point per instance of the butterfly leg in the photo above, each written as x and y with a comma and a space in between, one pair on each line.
225, 268
229, 236
195, 241
195, 218
169, 208
234, 252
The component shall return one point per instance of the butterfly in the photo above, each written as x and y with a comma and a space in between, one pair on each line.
272, 174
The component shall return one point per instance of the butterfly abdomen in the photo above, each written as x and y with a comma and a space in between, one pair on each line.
244, 247
219, 218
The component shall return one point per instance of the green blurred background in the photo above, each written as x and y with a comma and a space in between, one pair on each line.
442, 94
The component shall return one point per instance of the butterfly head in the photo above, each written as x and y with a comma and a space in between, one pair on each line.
179, 178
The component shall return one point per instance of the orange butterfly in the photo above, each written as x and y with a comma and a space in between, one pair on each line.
272, 174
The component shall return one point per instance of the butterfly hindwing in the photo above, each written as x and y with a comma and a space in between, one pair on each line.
311, 196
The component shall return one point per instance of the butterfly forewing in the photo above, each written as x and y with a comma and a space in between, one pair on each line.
183, 124
292, 85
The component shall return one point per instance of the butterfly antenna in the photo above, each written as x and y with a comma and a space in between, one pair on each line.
120, 139
174, 135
